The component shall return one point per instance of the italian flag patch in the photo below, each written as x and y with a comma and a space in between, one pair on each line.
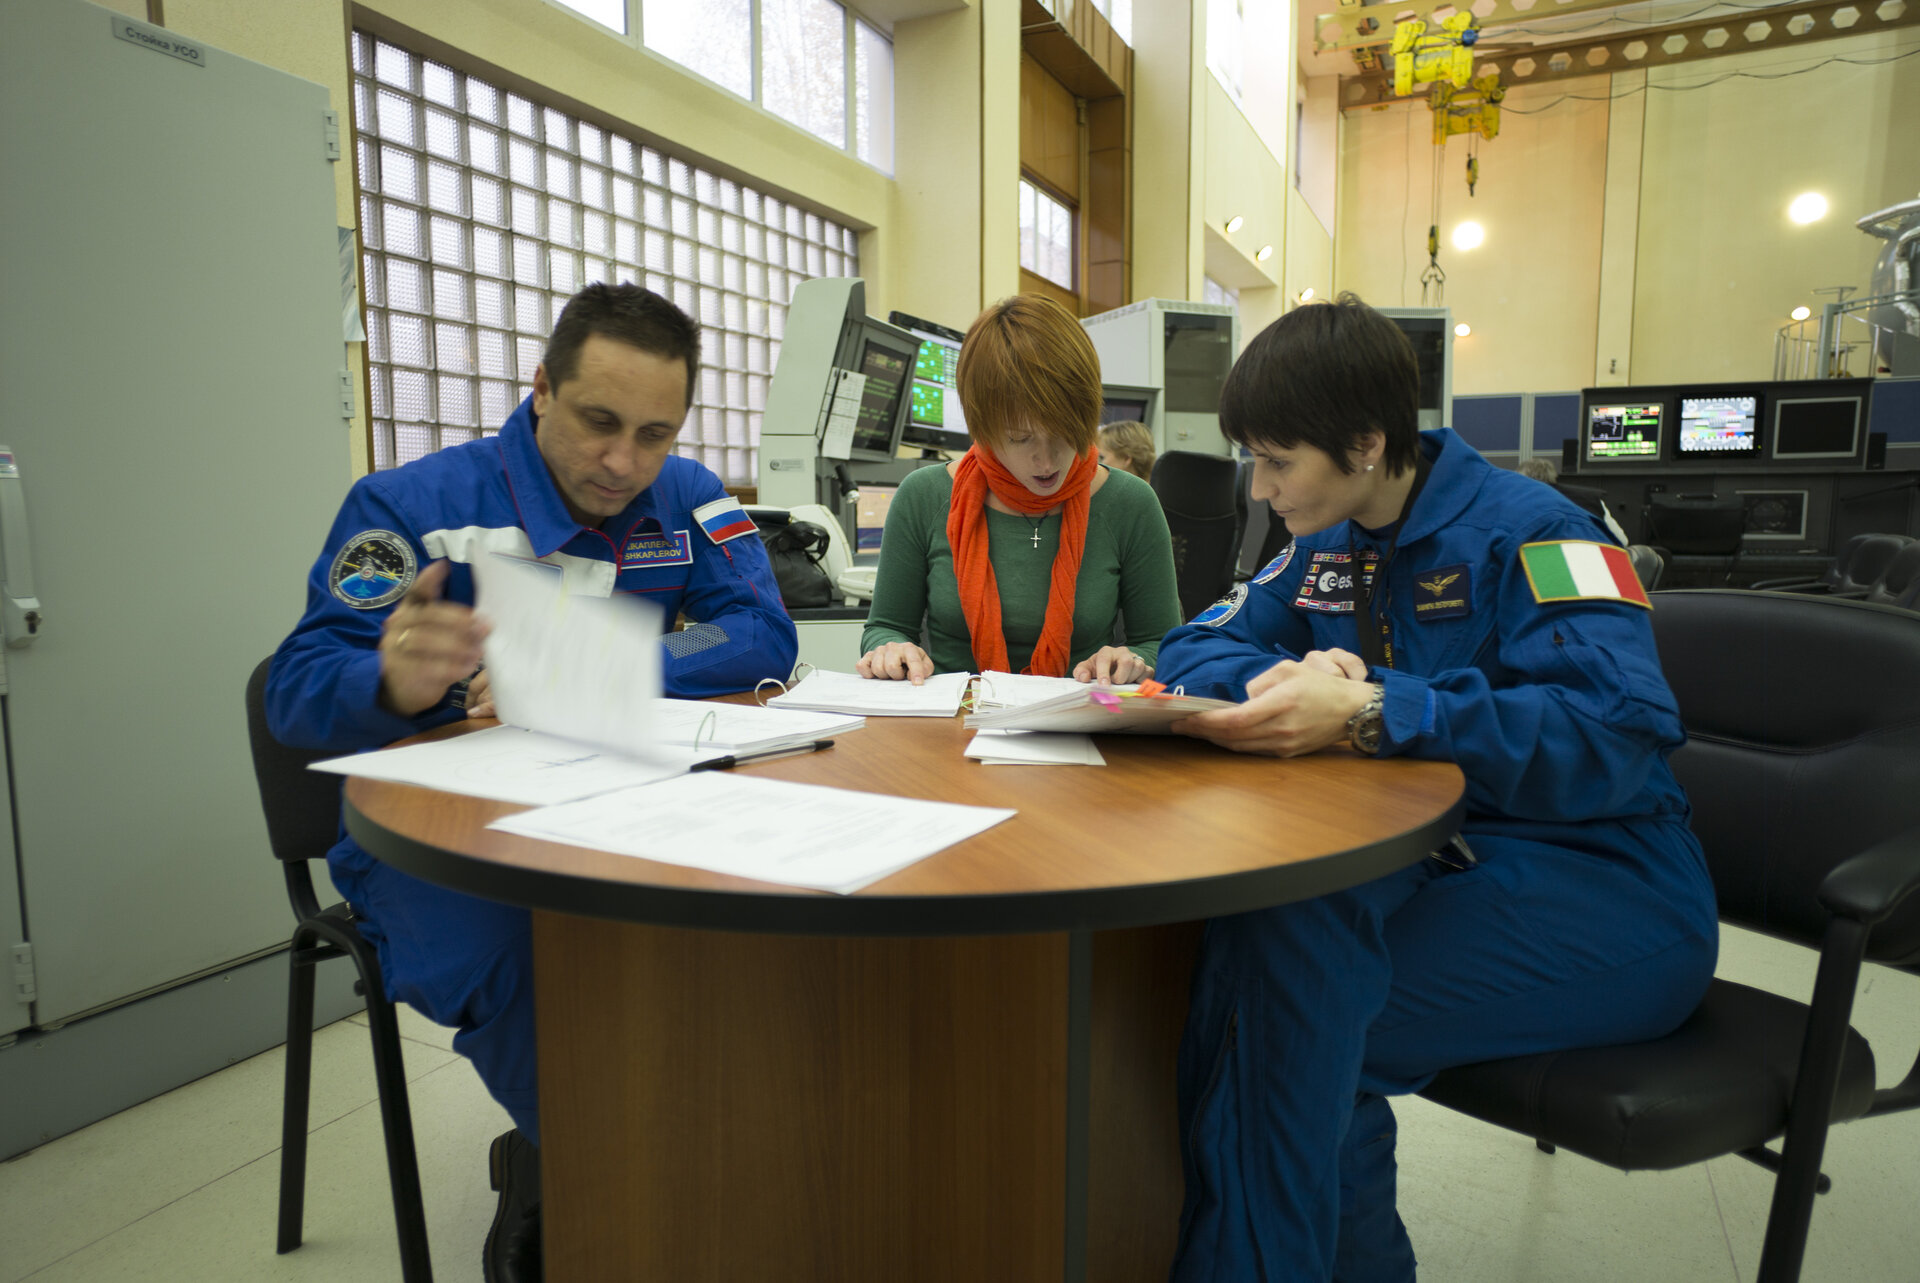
1575, 570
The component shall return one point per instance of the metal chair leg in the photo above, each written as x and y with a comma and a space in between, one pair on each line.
293, 1101
396, 1118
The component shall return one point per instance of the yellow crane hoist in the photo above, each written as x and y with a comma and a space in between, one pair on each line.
1435, 52
1472, 110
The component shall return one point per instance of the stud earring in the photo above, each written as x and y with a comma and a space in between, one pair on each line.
1369, 467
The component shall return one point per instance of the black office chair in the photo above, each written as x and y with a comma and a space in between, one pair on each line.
1802, 797
1197, 492
303, 820
1648, 564
1899, 583
1697, 525
1833, 577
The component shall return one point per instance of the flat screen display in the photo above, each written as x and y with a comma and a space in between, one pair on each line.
1123, 410
886, 373
1719, 424
1624, 431
1817, 428
935, 419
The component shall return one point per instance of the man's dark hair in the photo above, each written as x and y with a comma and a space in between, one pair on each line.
1324, 375
630, 314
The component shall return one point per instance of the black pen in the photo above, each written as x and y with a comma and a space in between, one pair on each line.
746, 759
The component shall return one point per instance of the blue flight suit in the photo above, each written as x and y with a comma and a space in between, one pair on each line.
1588, 919
460, 960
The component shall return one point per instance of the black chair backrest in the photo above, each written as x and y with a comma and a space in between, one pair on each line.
1648, 564
1869, 561
1697, 525
302, 807
1836, 572
1803, 745
1198, 494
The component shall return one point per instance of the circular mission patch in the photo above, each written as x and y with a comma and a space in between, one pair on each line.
372, 569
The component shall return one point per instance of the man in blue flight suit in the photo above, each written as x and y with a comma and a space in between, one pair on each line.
582, 476
1433, 606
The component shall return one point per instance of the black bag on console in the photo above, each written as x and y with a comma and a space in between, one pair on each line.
796, 549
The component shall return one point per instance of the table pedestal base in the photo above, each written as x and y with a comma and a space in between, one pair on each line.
728, 1106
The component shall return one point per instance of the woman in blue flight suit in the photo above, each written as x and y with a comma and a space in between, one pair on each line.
1434, 606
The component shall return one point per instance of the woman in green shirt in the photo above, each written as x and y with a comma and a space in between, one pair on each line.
1022, 554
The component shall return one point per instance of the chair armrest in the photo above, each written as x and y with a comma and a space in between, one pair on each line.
1868, 886
1787, 585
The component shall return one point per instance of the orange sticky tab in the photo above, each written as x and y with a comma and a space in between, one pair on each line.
1150, 688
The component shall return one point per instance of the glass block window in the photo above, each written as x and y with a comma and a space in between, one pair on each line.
482, 212
1046, 236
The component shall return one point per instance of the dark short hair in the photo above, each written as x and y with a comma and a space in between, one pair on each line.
1325, 375
629, 314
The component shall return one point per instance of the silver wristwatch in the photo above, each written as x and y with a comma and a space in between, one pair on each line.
1364, 727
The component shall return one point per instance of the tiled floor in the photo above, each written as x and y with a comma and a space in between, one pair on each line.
183, 1187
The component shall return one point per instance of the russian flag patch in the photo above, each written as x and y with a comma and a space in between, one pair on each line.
723, 519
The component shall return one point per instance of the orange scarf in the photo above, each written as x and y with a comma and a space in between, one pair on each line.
978, 473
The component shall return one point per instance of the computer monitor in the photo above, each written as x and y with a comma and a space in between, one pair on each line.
1816, 428
935, 420
1123, 409
870, 516
1618, 431
887, 362
1719, 425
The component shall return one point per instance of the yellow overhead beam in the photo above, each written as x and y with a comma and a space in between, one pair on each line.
1781, 27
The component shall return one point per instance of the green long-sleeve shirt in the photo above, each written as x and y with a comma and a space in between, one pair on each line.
1126, 570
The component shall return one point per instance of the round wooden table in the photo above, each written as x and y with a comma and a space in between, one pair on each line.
963, 1071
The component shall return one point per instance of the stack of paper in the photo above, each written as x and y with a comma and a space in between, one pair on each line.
825, 691
800, 834
1034, 748
1097, 710
1011, 690
744, 728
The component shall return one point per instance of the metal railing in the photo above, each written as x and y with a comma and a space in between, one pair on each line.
1824, 347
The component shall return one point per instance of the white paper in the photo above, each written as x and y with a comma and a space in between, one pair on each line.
562, 663
1033, 748
825, 690
771, 830
512, 764
847, 389
1012, 690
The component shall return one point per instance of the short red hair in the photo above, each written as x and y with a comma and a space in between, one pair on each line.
1027, 362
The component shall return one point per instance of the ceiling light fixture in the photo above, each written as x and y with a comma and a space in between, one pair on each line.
1462, 330
1808, 207
1235, 223
1266, 252
1801, 313
1469, 236
1306, 295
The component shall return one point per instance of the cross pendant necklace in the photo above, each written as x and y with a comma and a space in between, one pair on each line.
1036, 532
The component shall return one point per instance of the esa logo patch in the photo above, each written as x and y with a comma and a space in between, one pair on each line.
1329, 581
373, 569
1445, 592
1275, 567
1224, 609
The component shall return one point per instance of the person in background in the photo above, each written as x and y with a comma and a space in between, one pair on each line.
1021, 555
1586, 498
1127, 444
582, 477
1431, 606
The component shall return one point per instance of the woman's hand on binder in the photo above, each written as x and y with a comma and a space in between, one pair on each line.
894, 661
1114, 665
